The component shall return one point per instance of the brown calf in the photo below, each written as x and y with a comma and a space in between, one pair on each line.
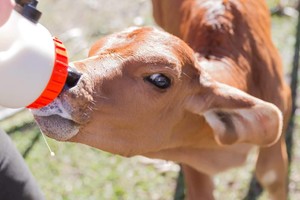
203, 103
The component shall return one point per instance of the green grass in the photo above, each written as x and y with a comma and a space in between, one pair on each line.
79, 172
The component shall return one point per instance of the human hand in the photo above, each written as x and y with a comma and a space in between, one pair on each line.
6, 6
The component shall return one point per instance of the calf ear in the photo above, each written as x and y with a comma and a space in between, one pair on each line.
237, 117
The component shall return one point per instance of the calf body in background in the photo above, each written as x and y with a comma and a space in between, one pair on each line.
232, 41
203, 100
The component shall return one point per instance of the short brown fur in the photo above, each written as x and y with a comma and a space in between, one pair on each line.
227, 94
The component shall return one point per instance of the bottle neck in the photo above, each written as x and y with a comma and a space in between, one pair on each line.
29, 10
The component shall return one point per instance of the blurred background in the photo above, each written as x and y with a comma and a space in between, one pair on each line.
78, 172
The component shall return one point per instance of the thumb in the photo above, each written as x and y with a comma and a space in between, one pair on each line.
6, 6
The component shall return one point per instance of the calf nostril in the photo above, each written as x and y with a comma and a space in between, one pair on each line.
72, 78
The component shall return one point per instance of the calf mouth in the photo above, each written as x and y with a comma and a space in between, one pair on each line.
56, 127
55, 121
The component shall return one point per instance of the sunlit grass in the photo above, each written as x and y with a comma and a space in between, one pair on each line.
80, 172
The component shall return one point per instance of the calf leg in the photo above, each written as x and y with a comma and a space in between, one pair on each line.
199, 185
271, 170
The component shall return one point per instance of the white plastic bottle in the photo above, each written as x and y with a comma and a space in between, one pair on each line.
33, 65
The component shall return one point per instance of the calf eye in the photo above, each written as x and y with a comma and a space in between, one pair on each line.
159, 80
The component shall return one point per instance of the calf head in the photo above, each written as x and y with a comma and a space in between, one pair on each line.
142, 90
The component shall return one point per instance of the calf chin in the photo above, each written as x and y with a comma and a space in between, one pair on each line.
57, 127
